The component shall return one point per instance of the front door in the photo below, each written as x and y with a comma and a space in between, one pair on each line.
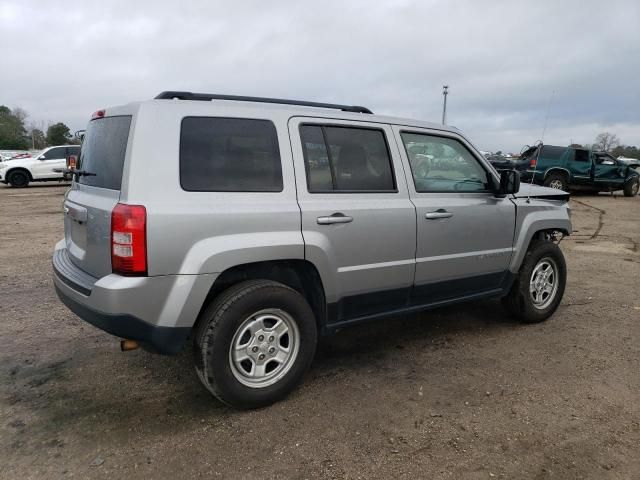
465, 233
358, 224
609, 172
52, 159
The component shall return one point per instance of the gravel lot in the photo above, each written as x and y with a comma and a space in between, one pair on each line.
462, 392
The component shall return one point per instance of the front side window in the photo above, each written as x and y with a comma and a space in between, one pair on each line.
229, 155
55, 154
440, 164
346, 159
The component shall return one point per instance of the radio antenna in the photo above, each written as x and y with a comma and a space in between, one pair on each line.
540, 143
546, 118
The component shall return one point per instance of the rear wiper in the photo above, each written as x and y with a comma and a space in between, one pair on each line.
82, 173
66, 172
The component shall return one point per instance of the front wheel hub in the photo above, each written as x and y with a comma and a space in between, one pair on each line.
543, 284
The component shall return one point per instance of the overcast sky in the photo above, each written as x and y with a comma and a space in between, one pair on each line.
62, 60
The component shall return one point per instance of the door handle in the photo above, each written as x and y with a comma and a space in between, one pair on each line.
335, 218
440, 213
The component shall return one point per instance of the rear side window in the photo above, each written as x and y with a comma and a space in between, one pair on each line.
552, 153
103, 152
346, 159
229, 155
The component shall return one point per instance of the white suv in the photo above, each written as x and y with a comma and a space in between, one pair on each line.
44, 166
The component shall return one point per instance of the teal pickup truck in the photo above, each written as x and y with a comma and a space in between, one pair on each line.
568, 168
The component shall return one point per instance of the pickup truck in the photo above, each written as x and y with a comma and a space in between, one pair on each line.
568, 168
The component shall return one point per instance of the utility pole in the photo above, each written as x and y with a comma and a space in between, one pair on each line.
445, 92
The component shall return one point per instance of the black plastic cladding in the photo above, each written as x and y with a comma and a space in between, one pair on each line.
170, 95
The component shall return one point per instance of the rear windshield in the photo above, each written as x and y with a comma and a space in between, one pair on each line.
103, 151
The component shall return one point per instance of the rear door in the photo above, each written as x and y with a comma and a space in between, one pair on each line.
465, 233
580, 164
358, 224
91, 199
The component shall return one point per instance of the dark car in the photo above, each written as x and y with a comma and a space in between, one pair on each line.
568, 168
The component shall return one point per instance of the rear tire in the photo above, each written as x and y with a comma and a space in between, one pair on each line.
557, 181
254, 343
539, 286
18, 179
631, 188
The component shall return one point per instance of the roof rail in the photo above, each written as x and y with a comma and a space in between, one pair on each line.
170, 95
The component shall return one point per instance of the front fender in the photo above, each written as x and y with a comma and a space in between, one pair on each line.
533, 217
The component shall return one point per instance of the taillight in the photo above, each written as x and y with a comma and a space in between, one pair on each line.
98, 114
129, 239
532, 163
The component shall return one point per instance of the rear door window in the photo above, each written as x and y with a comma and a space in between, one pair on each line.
229, 155
103, 152
346, 159
582, 156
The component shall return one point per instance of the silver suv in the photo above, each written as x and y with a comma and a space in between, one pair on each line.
254, 225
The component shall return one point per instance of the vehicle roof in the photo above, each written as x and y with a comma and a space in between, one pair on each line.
290, 110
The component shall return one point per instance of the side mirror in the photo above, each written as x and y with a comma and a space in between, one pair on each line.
509, 183
41, 157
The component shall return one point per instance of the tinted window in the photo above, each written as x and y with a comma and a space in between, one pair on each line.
103, 151
582, 156
229, 155
551, 152
55, 154
440, 164
346, 159
73, 151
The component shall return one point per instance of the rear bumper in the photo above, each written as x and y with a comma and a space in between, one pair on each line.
159, 312
165, 340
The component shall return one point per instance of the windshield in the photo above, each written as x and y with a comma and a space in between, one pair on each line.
103, 152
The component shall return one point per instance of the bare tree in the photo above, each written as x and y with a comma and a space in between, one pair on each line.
606, 142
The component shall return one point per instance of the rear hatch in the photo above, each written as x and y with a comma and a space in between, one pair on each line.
92, 197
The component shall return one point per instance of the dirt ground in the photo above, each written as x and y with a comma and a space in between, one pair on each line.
462, 392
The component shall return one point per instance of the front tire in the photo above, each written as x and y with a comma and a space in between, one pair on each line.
254, 343
631, 187
539, 286
18, 179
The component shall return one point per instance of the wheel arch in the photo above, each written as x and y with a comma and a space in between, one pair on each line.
301, 275
536, 225
22, 169
561, 170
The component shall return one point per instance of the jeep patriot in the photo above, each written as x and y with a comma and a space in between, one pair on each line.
251, 226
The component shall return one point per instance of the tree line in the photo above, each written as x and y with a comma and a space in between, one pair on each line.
610, 143
15, 134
